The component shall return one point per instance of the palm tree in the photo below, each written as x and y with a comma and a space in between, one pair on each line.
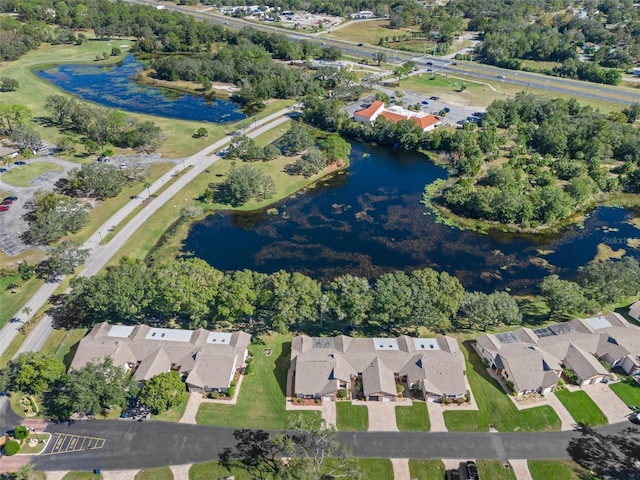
27, 311
147, 185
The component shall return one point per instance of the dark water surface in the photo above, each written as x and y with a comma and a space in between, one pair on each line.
111, 86
369, 220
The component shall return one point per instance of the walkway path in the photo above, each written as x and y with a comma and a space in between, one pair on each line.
193, 404
101, 254
566, 419
521, 469
400, 468
329, 412
180, 471
118, 474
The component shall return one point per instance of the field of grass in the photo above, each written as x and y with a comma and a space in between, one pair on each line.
413, 418
210, 470
261, 401
155, 474
369, 31
376, 468
12, 302
11, 350
628, 390
581, 407
82, 476
351, 417
426, 469
495, 407
555, 469
63, 344
494, 470
21, 176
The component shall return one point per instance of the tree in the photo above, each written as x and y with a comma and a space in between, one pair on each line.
11, 447
163, 392
294, 300
64, 258
613, 455
310, 163
258, 452
245, 182
632, 112
319, 454
296, 139
436, 298
239, 294
34, 372
27, 311
563, 296
55, 215
379, 57
92, 389
349, 300
202, 132
98, 180
336, 148
20, 432
392, 302
25, 137
8, 84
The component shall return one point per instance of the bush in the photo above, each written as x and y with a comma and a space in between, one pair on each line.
215, 395
232, 391
11, 447
460, 400
399, 388
20, 433
342, 393
233, 383
248, 360
248, 369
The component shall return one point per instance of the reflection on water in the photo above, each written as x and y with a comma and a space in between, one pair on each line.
370, 220
111, 86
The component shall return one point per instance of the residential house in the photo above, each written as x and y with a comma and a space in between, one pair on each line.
8, 152
533, 360
206, 360
395, 114
373, 367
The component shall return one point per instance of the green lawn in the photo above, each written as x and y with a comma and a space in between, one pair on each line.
172, 415
11, 350
63, 344
21, 176
370, 32
13, 302
426, 469
494, 405
628, 390
164, 473
581, 407
261, 403
554, 470
494, 470
82, 476
413, 418
376, 468
351, 417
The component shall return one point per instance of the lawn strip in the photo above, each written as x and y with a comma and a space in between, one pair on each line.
351, 417
426, 469
581, 407
414, 418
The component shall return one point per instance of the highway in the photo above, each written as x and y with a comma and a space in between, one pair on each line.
553, 85
101, 254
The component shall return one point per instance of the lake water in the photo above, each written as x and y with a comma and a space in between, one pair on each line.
369, 220
111, 86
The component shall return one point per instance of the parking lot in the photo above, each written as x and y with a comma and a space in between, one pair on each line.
63, 443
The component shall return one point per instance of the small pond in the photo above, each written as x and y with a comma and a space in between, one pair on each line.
112, 86
369, 220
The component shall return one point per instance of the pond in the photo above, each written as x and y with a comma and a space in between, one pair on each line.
112, 86
369, 220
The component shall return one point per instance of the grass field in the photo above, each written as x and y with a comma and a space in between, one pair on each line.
261, 401
426, 469
12, 302
351, 417
369, 31
63, 344
82, 476
581, 407
494, 470
21, 176
11, 350
155, 474
376, 468
555, 470
495, 407
628, 390
172, 415
413, 418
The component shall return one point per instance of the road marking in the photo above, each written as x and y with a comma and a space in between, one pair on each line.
65, 443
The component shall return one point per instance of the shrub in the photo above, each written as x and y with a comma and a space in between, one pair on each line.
248, 369
233, 383
11, 447
20, 433
232, 390
342, 393
248, 360
215, 395
317, 400
460, 400
399, 388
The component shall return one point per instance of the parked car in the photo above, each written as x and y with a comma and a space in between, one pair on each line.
635, 418
102, 158
472, 470
19, 162
6, 202
501, 77
435, 98
12, 198
2, 170
429, 63
447, 109
453, 474
4, 208
424, 102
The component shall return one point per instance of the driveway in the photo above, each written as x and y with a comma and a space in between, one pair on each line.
566, 419
382, 416
613, 408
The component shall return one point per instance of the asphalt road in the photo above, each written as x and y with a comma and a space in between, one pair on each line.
576, 88
138, 445
101, 254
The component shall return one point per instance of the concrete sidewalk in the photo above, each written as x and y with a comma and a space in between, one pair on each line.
400, 468
521, 469
613, 408
566, 419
